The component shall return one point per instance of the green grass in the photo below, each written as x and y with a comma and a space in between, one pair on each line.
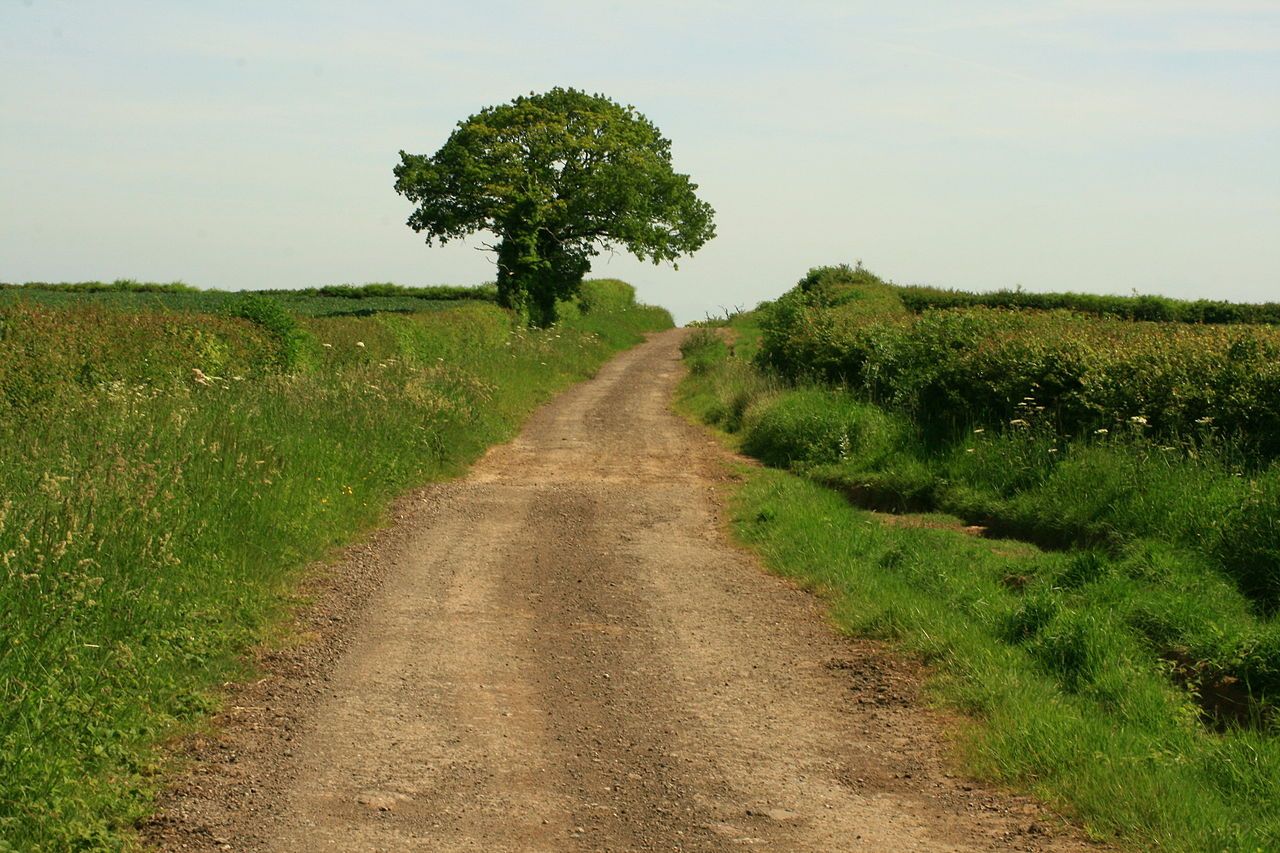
1126, 675
1072, 706
168, 476
1077, 373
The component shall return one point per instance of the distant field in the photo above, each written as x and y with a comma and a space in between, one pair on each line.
315, 302
1152, 308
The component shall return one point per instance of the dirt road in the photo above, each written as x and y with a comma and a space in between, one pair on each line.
563, 652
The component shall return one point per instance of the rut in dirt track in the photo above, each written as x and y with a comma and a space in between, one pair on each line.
567, 654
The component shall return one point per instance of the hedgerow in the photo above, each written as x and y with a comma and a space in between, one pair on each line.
1147, 307
989, 367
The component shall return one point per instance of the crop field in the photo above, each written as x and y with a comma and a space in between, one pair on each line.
982, 366
168, 473
1154, 308
315, 301
1113, 624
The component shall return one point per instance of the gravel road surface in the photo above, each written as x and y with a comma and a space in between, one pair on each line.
564, 651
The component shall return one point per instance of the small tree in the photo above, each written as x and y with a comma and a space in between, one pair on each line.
558, 177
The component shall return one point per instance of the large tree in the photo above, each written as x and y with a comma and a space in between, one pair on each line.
558, 177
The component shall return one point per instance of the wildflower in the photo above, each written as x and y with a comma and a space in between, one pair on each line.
1053, 450
1205, 421
1018, 422
1101, 431
1139, 420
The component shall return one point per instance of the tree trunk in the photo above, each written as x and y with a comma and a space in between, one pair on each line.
534, 271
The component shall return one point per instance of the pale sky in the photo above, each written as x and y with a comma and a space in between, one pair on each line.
1096, 145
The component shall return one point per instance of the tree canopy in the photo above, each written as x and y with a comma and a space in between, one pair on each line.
558, 177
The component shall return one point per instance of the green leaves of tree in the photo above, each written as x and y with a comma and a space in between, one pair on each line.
559, 177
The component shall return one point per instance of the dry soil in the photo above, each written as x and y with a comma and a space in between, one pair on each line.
563, 651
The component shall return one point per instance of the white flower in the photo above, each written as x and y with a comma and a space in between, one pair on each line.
1138, 419
1102, 431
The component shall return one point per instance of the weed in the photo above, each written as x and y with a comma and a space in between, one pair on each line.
166, 477
1110, 673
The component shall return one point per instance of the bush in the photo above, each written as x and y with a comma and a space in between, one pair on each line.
605, 294
811, 426
952, 368
283, 326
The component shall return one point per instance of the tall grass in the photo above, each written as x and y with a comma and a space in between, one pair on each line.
1129, 673
1071, 705
954, 367
166, 478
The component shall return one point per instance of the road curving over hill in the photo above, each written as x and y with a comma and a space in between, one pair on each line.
563, 651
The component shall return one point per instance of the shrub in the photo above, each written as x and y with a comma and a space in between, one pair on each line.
270, 315
813, 426
982, 366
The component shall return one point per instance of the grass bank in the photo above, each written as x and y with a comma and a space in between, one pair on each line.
1124, 668
166, 476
